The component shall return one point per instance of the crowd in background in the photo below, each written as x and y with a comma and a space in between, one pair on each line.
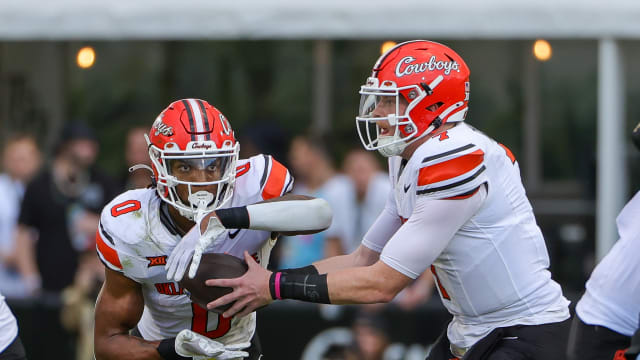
48, 221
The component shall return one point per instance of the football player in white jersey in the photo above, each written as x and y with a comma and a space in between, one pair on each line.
197, 177
458, 209
10, 344
608, 314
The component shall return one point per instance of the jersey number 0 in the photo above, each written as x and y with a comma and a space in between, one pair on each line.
200, 322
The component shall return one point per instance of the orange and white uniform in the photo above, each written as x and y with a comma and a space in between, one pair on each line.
135, 239
485, 250
8, 324
612, 298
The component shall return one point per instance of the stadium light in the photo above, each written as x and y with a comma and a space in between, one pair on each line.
542, 50
86, 57
386, 46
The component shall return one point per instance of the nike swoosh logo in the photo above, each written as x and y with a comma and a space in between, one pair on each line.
406, 188
234, 234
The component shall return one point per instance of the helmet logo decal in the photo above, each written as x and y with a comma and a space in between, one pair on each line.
226, 128
162, 128
201, 146
432, 65
466, 91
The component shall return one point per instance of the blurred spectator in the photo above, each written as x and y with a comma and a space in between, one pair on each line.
79, 301
371, 335
57, 223
316, 176
20, 161
371, 188
136, 152
267, 137
339, 352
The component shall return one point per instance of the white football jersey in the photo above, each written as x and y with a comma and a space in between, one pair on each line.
612, 298
494, 271
8, 325
133, 240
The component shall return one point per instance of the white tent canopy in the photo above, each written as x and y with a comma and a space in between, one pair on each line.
605, 21
331, 19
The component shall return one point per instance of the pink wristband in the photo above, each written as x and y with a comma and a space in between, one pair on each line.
278, 274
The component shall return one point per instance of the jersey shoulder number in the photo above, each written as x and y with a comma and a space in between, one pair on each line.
120, 218
262, 177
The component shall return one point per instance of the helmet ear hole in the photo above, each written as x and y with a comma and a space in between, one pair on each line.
435, 106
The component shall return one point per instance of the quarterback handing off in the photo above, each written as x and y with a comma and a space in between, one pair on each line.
458, 209
204, 200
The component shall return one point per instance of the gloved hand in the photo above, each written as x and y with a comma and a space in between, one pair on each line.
193, 243
198, 347
265, 251
214, 229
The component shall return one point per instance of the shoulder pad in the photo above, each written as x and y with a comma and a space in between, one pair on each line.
446, 171
261, 177
122, 222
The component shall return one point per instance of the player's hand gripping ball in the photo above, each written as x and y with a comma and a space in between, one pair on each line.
213, 266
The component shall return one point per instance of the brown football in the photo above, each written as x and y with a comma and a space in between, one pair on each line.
213, 266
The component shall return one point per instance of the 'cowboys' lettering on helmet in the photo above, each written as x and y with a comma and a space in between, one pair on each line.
193, 153
414, 88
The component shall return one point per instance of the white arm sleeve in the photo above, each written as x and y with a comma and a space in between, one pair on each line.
290, 215
433, 223
387, 223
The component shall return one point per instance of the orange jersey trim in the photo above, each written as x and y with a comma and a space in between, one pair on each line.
108, 253
450, 169
509, 153
275, 182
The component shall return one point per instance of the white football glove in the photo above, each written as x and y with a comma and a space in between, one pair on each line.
198, 347
193, 244
214, 229
265, 251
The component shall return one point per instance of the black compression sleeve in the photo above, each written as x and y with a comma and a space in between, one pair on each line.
167, 349
309, 269
305, 287
234, 218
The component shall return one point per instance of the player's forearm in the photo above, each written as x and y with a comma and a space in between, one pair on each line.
123, 346
286, 216
362, 256
334, 263
363, 285
358, 285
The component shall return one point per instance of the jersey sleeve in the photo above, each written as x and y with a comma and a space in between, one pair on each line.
427, 232
276, 179
383, 228
454, 173
120, 230
106, 248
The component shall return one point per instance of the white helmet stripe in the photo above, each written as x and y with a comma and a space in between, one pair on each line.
198, 119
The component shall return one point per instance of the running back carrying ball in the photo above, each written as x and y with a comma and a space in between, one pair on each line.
213, 266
